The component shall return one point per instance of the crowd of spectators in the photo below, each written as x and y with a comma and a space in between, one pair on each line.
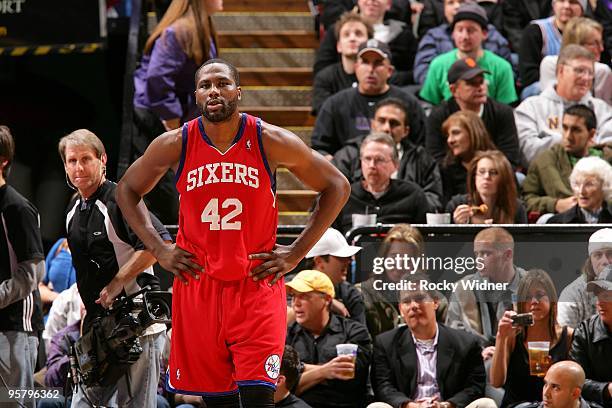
463, 101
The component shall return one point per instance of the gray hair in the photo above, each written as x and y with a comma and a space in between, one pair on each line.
571, 52
81, 137
594, 166
379, 137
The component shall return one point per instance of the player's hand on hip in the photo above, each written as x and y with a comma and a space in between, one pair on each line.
178, 261
277, 262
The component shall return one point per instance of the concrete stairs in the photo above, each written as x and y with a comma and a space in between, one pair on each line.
272, 42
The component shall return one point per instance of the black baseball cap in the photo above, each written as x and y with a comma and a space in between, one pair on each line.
473, 12
465, 69
374, 45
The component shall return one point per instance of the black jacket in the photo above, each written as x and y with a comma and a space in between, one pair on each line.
346, 115
592, 348
404, 201
416, 165
460, 370
518, 14
575, 216
329, 81
333, 79
497, 117
352, 299
454, 180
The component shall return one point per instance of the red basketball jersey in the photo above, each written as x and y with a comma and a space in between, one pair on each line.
227, 200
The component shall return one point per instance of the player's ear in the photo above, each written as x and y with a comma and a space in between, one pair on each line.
239, 93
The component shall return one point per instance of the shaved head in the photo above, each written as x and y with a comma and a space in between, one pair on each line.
572, 370
563, 385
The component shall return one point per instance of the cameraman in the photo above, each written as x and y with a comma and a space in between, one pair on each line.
108, 256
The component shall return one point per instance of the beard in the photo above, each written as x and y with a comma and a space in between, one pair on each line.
228, 108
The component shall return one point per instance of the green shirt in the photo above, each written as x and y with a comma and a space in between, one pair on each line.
592, 152
500, 79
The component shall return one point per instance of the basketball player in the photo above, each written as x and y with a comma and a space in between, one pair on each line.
229, 299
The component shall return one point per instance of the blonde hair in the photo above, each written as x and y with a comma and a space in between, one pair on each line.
578, 29
81, 137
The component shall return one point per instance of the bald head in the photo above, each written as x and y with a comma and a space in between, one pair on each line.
570, 370
563, 385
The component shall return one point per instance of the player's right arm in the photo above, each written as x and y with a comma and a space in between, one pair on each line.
140, 178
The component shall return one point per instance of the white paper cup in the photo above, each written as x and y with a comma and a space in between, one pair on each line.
433, 218
363, 219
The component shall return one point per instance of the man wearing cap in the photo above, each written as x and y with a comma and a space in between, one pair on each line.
469, 32
438, 40
332, 256
592, 344
327, 380
542, 38
346, 115
539, 118
575, 303
468, 88
425, 363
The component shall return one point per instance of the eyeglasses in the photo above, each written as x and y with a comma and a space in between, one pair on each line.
484, 172
376, 160
581, 71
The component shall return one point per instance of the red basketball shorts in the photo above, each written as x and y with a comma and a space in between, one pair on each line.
226, 334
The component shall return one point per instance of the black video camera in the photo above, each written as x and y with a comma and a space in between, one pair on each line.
104, 354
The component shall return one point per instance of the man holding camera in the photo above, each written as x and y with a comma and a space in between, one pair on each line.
107, 256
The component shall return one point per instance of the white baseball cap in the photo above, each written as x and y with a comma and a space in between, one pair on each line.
333, 243
600, 239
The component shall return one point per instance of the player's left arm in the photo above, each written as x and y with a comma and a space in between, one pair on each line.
284, 149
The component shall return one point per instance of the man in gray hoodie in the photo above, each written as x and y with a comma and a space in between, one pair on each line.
538, 118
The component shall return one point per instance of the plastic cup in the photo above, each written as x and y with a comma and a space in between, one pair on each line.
539, 360
348, 350
363, 219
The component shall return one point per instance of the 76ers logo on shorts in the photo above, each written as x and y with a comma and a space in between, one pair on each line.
272, 366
